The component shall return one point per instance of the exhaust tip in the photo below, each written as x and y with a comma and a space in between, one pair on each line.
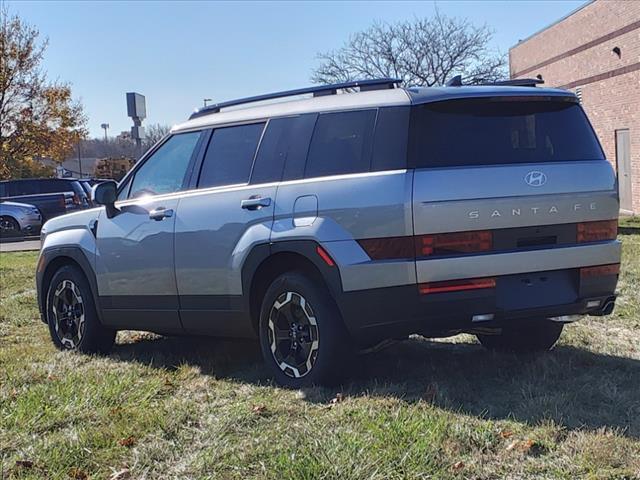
608, 306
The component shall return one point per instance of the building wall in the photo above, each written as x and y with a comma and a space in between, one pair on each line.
576, 53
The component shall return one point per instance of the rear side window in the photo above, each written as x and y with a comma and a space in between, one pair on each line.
230, 155
500, 130
390, 142
283, 149
341, 143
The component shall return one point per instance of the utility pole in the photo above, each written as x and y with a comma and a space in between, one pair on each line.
79, 158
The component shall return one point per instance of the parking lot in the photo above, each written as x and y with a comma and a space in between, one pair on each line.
27, 244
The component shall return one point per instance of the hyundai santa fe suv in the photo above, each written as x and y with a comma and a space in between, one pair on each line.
343, 216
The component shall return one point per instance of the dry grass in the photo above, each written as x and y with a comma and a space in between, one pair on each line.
203, 408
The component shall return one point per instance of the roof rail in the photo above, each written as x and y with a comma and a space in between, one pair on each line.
518, 82
317, 91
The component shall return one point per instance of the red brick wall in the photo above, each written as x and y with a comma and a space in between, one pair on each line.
611, 103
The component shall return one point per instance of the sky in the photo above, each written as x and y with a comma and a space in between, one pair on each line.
178, 53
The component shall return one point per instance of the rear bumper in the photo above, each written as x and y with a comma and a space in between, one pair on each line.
377, 314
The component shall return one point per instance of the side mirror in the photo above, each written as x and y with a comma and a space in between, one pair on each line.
106, 193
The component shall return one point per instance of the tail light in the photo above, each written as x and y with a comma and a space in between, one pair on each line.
597, 231
388, 248
600, 270
452, 243
457, 285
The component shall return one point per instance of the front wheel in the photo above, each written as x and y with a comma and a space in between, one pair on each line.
538, 336
302, 335
72, 316
9, 226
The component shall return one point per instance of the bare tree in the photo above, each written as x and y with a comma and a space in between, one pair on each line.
153, 133
422, 52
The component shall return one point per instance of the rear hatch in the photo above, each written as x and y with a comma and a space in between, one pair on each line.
497, 177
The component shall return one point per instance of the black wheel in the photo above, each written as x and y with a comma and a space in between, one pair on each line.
539, 336
71, 314
9, 227
303, 339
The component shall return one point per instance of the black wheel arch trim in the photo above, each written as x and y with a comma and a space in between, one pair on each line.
304, 248
50, 255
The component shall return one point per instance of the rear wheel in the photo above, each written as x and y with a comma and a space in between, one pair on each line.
539, 336
71, 314
9, 226
302, 335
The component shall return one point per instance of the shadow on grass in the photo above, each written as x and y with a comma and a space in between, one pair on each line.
574, 388
629, 230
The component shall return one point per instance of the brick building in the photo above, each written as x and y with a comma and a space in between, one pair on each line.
595, 52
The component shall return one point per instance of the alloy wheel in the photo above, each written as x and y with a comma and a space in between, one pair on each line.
8, 225
293, 334
68, 314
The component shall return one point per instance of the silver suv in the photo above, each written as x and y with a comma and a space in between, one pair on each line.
343, 216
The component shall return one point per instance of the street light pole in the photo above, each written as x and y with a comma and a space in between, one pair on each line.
79, 158
105, 127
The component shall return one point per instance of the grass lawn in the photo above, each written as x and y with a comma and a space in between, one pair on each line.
203, 408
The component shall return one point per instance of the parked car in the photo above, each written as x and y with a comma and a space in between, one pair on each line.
326, 225
52, 196
19, 219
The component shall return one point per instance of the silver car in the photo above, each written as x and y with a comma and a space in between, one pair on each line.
330, 224
19, 219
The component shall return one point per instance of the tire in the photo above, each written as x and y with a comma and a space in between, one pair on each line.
300, 311
72, 316
539, 336
9, 226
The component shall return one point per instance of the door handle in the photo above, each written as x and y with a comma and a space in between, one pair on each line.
160, 213
255, 203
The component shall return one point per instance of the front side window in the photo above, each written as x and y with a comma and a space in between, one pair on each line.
341, 143
165, 171
230, 155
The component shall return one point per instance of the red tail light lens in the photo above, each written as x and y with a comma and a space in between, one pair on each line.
452, 243
388, 248
457, 285
600, 270
597, 231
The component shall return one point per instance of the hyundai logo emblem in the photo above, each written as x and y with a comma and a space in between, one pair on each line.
535, 178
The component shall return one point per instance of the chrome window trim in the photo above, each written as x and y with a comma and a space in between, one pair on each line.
246, 186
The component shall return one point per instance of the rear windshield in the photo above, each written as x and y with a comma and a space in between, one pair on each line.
500, 130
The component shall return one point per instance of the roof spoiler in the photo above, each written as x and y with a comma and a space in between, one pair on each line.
317, 91
518, 82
